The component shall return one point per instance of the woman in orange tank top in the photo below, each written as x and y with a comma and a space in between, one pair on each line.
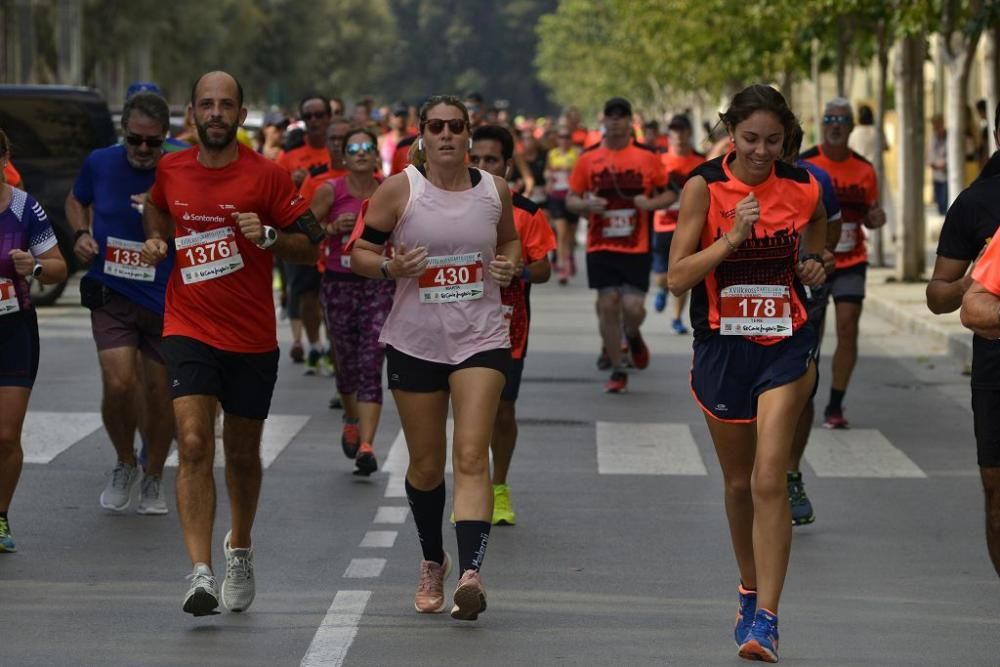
743, 218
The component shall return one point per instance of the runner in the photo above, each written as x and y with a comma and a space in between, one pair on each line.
558, 167
679, 160
125, 298
616, 184
743, 219
312, 159
355, 307
972, 221
857, 191
28, 251
221, 203
452, 228
493, 152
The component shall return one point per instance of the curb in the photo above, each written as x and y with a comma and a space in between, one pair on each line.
957, 344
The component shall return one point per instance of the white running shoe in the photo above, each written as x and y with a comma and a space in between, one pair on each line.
118, 492
238, 588
151, 500
203, 596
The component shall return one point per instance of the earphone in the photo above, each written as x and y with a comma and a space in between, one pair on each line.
420, 143
470, 143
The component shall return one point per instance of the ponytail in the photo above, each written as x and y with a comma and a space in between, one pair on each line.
417, 154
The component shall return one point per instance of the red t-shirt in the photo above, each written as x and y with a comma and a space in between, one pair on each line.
219, 291
856, 187
11, 176
316, 161
401, 156
678, 167
618, 176
987, 271
537, 241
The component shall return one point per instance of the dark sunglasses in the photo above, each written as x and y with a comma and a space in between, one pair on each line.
309, 115
836, 119
139, 140
436, 125
354, 149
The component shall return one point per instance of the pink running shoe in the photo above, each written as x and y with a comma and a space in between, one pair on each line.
470, 597
430, 591
835, 419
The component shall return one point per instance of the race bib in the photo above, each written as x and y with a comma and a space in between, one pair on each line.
8, 297
508, 311
848, 237
451, 278
755, 310
208, 255
619, 223
122, 259
345, 259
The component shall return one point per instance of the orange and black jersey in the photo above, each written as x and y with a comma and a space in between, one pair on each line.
764, 264
537, 241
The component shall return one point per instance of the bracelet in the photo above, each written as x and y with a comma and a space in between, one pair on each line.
732, 246
79, 233
813, 256
384, 268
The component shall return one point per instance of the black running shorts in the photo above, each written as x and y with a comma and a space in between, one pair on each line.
409, 373
986, 422
619, 269
19, 347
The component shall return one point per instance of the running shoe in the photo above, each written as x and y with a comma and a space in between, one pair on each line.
660, 301
365, 462
603, 360
118, 492
312, 362
503, 511
617, 383
430, 591
563, 274
203, 596
326, 364
834, 419
572, 266
678, 326
639, 350
470, 597
151, 500
802, 509
350, 438
762, 641
744, 614
336, 403
6, 539
238, 588
298, 353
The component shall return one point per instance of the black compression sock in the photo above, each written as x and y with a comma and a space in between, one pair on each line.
3, 515
836, 398
428, 510
472, 539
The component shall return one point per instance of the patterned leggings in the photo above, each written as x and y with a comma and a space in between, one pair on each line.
355, 312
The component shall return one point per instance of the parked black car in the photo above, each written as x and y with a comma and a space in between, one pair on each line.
52, 129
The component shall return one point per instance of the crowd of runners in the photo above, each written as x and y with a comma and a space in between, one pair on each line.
407, 243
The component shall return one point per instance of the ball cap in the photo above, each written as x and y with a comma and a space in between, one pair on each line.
142, 87
617, 106
679, 122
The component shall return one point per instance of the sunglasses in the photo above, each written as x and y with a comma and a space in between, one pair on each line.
436, 125
354, 149
309, 115
836, 119
139, 140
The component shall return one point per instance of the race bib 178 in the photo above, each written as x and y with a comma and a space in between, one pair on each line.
755, 310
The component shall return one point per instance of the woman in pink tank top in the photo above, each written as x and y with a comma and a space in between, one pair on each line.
446, 337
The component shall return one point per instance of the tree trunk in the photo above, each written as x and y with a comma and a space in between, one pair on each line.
817, 93
787, 85
69, 42
878, 236
991, 86
843, 48
958, 56
909, 76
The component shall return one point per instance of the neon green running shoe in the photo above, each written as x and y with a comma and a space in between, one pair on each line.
503, 512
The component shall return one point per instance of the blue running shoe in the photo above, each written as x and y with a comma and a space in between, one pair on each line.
6, 539
660, 301
679, 327
762, 642
802, 509
745, 614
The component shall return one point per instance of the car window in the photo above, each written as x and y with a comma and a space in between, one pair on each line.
45, 128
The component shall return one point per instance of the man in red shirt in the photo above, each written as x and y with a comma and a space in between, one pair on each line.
616, 184
225, 207
856, 186
493, 151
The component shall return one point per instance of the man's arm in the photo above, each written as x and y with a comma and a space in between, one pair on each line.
981, 311
80, 219
949, 283
156, 222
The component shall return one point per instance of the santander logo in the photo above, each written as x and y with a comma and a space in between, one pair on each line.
202, 218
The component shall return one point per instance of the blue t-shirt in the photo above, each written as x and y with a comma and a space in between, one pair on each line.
108, 182
830, 202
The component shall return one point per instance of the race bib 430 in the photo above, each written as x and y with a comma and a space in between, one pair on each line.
8, 297
122, 259
755, 310
451, 278
208, 255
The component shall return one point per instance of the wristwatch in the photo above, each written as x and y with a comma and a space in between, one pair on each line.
815, 257
36, 272
79, 233
270, 236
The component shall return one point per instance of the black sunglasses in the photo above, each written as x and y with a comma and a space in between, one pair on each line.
138, 140
309, 115
436, 125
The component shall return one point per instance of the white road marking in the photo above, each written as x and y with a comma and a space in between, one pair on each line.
279, 431
379, 539
48, 434
336, 633
391, 514
857, 452
647, 449
364, 568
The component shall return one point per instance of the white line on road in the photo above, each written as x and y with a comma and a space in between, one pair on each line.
279, 431
391, 514
647, 449
364, 568
336, 633
48, 434
857, 453
379, 539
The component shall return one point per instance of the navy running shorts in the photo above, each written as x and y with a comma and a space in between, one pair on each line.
729, 373
661, 251
513, 387
19, 348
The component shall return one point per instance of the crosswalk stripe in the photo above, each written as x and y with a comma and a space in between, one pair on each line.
647, 449
391, 514
48, 434
857, 453
279, 431
336, 633
364, 568
379, 539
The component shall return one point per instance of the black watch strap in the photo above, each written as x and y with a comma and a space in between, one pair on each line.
79, 233
812, 255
